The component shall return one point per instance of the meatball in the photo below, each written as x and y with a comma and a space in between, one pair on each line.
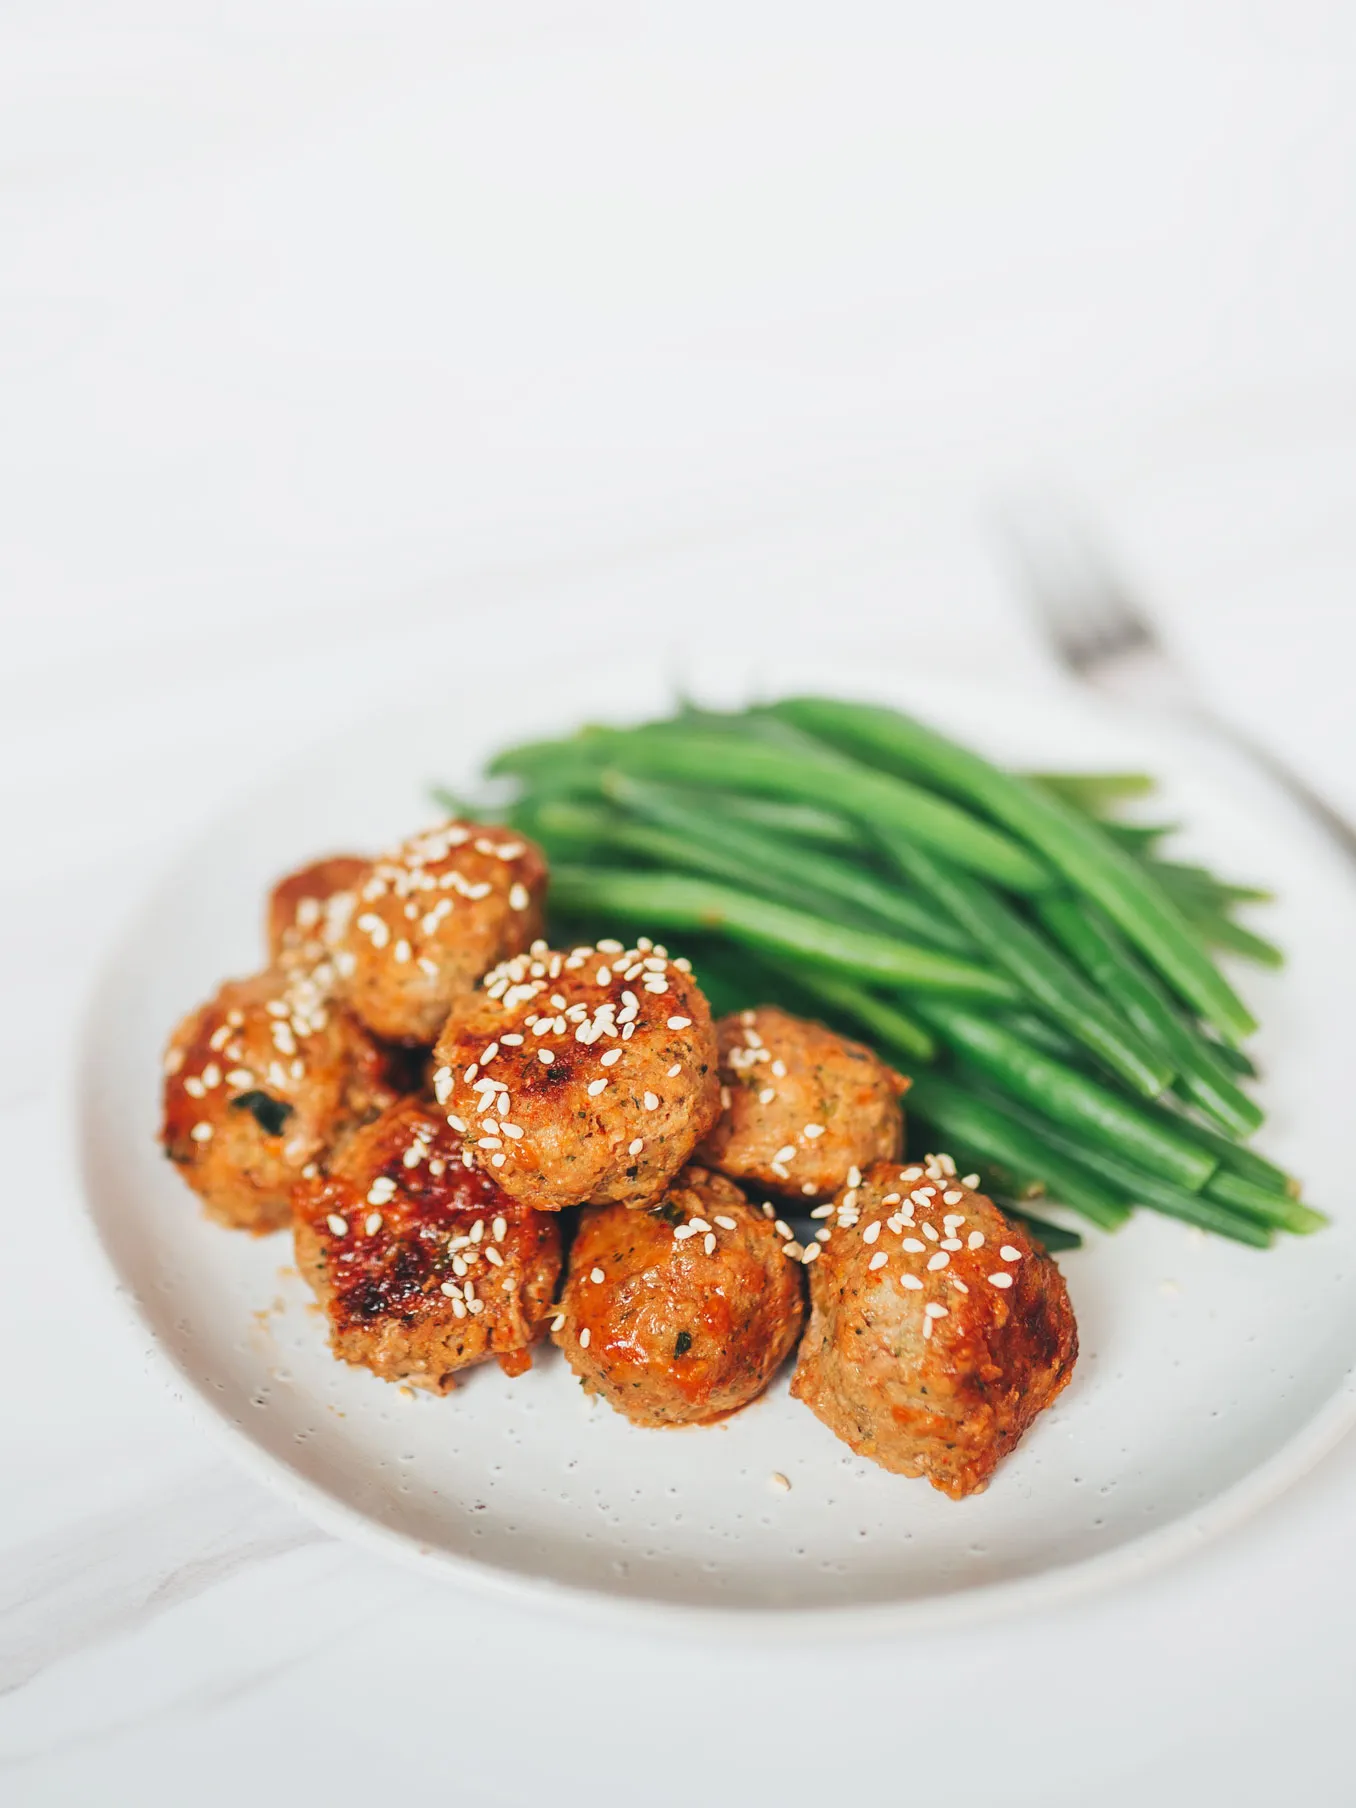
588, 1076
800, 1106
422, 1265
430, 918
309, 908
682, 1314
938, 1329
259, 1084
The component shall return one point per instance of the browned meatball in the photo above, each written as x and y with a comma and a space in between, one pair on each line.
938, 1329
259, 1083
582, 1076
422, 1265
308, 908
430, 918
682, 1314
800, 1106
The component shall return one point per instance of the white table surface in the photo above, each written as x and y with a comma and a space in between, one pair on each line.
340, 342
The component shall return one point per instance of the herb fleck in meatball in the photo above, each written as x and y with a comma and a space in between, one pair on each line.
422, 1265
682, 1314
800, 1105
259, 1084
308, 909
582, 1076
938, 1329
428, 921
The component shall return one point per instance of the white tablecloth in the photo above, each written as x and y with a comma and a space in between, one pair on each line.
342, 341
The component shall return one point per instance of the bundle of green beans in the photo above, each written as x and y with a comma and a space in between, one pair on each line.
1036, 965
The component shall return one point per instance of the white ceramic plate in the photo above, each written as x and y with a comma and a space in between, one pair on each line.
1210, 1375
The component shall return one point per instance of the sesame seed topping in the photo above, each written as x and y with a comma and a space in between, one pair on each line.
935, 1311
976, 1239
499, 1229
674, 1071
595, 1087
338, 1225
519, 898
793, 1249
679, 1023
726, 1223
814, 1130
930, 1233
382, 1190
782, 1228
823, 1211
914, 1247
878, 1260
1009, 1254
786, 1153
651, 1101
596, 1275
558, 1322
457, 1123
194, 1087
1000, 1280
940, 1260
634, 1148
912, 1282
952, 1197
970, 1180
584, 1338
493, 1257
952, 1243
871, 1232
609, 1057
201, 1133
709, 1242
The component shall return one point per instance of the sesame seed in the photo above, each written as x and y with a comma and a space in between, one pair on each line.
496, 1161
493, 1257
634, 1148
558, 1322
766, 1096
878, 1260
970, 1180
823, 1211
952, 1197
914, 1247
201, 1133
596, 1275
940, 1260
603, 976
930, 1233
1000, 1280
1009, 1254
595, 1087
709, 1242
779, 1070
194, 1087
934, 1311
519, 898
451, 1289
889, 1199
682, 1232
499, 1229
372, 1223
952, 1243
674, 1071
871, 1232
782, 1228
976, 1239
814, 1130
768, 1209
609, 1057
338, 1225
786, 1153
679, 1023
651, 1101
912, 1282
457, 1123
382, 1189
726, 1223
811, 1254
793, 1249
822, 1236
584, 1338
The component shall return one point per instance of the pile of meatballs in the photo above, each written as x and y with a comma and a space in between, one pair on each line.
479, 1141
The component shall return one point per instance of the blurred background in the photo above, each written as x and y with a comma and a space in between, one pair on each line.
344, 345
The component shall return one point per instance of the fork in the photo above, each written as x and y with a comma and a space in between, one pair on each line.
1092, 622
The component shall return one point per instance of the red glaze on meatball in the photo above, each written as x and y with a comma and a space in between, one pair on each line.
260, 1083
429, 919
424, 1267
938, 1329
588, 1075
800, 1105
682, 1314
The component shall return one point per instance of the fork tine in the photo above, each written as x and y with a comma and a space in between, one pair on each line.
1078, 597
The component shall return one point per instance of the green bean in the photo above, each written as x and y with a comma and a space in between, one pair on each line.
996, 1135
1159, 1194
754, 857
1093, 941
1235, 1156
829, 779
679, 902
1270, 1206
895, 1028
1094, 792
1053, 1238
1070, 1097
1067, 839
801, 822
1222, 932
1043, 975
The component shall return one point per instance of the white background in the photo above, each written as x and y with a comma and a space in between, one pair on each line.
343, 345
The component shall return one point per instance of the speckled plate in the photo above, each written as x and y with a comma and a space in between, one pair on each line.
1210, 1377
